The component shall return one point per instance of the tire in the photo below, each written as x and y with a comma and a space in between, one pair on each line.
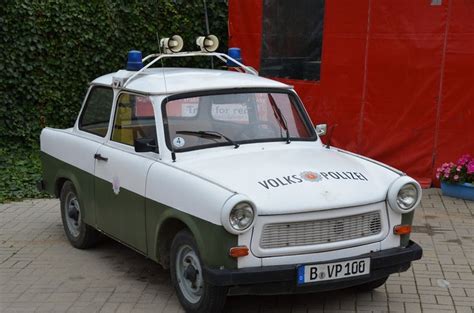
371, 285
194, 294
80, 235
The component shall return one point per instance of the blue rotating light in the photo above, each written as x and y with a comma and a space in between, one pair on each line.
134, 61
236, 55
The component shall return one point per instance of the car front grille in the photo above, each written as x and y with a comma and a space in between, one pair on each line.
320, 231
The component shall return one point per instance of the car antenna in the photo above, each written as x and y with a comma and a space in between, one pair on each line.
173, 153
162, 63
328, 145
206, 19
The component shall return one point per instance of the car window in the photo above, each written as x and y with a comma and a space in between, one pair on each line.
134, 119
242, 117
96, 114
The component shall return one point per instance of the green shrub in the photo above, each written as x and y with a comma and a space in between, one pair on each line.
51, 50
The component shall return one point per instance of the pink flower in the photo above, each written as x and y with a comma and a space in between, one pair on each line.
465, 159
462, 170
470, 167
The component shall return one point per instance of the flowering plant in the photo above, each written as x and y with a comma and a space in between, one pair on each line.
460, 172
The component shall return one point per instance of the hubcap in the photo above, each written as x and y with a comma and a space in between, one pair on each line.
189, 274
73, 214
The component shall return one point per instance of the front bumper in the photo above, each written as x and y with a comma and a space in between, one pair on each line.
282, 279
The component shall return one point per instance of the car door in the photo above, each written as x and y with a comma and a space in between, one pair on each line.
91, 129
120, 172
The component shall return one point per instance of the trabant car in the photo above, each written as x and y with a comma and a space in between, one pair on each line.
221, 177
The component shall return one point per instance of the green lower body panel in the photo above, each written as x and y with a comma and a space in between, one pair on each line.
121, 215
133, 219
213, 241
56, 171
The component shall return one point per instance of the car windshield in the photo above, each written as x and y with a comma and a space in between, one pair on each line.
234, 118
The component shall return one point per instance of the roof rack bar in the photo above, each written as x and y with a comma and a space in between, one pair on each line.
150, 56
221, 56
240, 69
142, 69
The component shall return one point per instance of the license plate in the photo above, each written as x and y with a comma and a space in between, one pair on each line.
320, 272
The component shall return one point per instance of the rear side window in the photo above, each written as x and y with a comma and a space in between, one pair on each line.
96, 114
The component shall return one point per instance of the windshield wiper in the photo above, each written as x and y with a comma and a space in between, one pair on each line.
207, 134
280, 118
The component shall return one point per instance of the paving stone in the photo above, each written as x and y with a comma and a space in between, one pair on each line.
41, 272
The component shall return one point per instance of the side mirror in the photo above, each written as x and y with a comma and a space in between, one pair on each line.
145, 145
321, 129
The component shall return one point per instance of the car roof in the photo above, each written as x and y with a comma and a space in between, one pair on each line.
177, 80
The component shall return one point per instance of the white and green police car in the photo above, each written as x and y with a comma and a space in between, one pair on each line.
221, 177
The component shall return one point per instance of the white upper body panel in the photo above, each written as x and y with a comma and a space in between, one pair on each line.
272, 175
66, 145
177, 80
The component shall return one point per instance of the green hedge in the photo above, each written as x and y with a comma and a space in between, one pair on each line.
51, 50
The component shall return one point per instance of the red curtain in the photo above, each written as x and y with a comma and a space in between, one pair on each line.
397, 77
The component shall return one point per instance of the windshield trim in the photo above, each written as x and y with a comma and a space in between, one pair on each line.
298, 104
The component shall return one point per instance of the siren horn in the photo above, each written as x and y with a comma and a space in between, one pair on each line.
172, 44
208, 43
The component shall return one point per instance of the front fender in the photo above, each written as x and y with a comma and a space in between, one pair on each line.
213, 240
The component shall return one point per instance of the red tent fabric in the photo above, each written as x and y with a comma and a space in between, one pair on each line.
397, 78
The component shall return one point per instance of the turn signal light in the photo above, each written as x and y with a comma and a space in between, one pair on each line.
402, 229
237, 252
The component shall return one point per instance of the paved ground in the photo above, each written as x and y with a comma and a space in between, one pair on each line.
41, 272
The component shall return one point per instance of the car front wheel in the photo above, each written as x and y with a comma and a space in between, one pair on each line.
194, 294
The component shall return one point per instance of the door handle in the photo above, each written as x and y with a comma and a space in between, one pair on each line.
99, 157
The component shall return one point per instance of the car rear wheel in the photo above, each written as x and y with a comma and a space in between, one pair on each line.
80, 235
194, 294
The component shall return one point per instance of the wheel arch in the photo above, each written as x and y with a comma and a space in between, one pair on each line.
58, 185
84, 192
167, 228
61, 178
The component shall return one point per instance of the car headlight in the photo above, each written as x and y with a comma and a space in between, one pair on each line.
238, 214
241, 216
407, 196
404, 195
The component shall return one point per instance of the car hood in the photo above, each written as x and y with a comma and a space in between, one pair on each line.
294, 178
